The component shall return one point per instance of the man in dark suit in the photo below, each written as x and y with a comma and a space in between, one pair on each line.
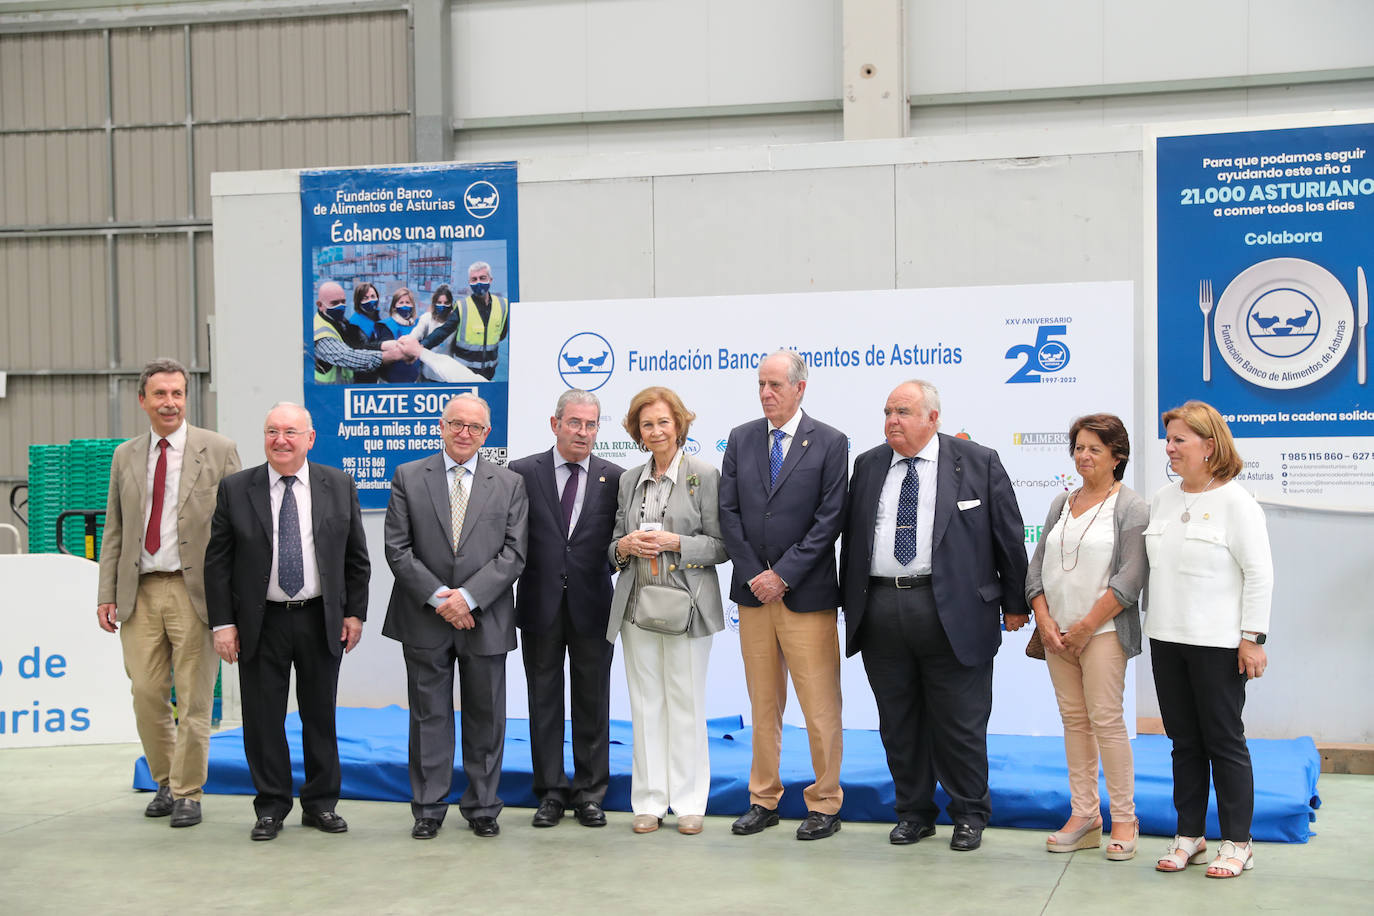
455, 539
562, 606
286, 574
782, 494
933, 563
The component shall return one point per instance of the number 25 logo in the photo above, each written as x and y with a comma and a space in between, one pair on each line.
1044, 356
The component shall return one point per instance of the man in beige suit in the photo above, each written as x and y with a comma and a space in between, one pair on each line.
157, 524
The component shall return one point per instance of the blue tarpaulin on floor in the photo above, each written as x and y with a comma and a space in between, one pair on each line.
1028, 777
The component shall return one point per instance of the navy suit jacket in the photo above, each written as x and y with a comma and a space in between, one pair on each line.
555, 560
790, 527
238, 560
978, 557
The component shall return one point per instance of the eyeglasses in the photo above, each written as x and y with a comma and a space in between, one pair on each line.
457, 426
290, 435
577, 426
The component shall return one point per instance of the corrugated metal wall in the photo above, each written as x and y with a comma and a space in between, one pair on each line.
107, 142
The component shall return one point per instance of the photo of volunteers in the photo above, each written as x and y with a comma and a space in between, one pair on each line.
406, 313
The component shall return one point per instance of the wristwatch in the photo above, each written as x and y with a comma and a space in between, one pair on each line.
1256, 638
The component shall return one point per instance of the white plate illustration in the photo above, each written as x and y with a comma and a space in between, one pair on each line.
1283, 323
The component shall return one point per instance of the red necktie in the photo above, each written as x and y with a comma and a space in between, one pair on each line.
152, 542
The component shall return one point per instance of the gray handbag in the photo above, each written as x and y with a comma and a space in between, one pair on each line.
664, 609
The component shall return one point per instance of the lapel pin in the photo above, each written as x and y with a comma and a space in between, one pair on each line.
805, 443
601, 479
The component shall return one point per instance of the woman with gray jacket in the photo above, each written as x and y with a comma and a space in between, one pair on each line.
1084, 585
665, 608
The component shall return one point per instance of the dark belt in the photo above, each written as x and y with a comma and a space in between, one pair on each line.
310, 603
163, 574
900, 581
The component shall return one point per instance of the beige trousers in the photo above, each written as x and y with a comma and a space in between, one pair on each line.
773, 642
163, 640
1089, 689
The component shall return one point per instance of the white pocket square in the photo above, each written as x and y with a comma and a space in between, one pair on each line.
965, 504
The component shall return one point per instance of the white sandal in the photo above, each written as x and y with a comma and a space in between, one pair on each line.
1183, 851
1226, 858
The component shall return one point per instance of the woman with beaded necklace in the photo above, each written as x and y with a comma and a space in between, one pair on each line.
1211, 581
1084, 585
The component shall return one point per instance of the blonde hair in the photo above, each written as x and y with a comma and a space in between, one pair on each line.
1203, 419
682, 417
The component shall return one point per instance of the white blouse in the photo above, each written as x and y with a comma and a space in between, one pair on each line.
1084, 545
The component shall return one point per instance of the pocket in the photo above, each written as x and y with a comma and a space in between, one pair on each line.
1152, 534
1203, 553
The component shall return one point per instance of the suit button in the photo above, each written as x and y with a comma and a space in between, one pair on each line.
768, 515
672, 567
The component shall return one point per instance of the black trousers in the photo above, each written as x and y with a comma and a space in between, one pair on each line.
589, 675
429, 684
291, 636
932, 710
1201, 696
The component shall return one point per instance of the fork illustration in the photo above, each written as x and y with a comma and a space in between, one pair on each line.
1204, 302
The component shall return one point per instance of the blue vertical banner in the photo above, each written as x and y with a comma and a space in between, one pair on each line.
1265, 244
409, 278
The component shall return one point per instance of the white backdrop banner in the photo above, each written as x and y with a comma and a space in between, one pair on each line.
1014, 364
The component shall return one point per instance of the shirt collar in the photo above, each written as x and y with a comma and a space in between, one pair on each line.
790, 427
470, 464
177, 439
302, 476
930, 453
559, 461
647, 473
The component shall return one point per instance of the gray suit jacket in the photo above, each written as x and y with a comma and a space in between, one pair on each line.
693, 513
490, 557
209, 458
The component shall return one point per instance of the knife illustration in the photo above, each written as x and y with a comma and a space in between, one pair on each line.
1361, 320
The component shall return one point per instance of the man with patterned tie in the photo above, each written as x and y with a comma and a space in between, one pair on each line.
562, 607
455, 540
157, 523
932, 565
782, 493
286, 574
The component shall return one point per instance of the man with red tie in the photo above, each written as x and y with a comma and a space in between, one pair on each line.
157, 524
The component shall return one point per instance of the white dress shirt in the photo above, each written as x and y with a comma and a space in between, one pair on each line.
885, 528
168, 556
560, 479
301, 490
468, 478
789, 430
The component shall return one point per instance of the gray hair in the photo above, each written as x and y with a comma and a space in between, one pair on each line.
930, 395
796, 366
479, 265
309, 420
161, 364
576, 396
469, 396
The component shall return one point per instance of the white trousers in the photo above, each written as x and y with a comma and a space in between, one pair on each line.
667, 683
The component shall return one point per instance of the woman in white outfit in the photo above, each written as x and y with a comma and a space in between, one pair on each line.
665, 609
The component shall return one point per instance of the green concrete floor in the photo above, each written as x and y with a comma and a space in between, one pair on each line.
73, 838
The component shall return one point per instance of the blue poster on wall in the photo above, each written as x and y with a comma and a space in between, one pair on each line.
1265, 245
409, 278
1263, 238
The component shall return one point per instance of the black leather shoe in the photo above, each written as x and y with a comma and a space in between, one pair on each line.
756, 820
327, 821
161, 805
485, 826
549, 814
426, 828
590, 814
818, 826
907, 832
266, 828
966, 838
185, 812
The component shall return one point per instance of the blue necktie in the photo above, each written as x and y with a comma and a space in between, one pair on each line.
904, 546
290, 566
775, 457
